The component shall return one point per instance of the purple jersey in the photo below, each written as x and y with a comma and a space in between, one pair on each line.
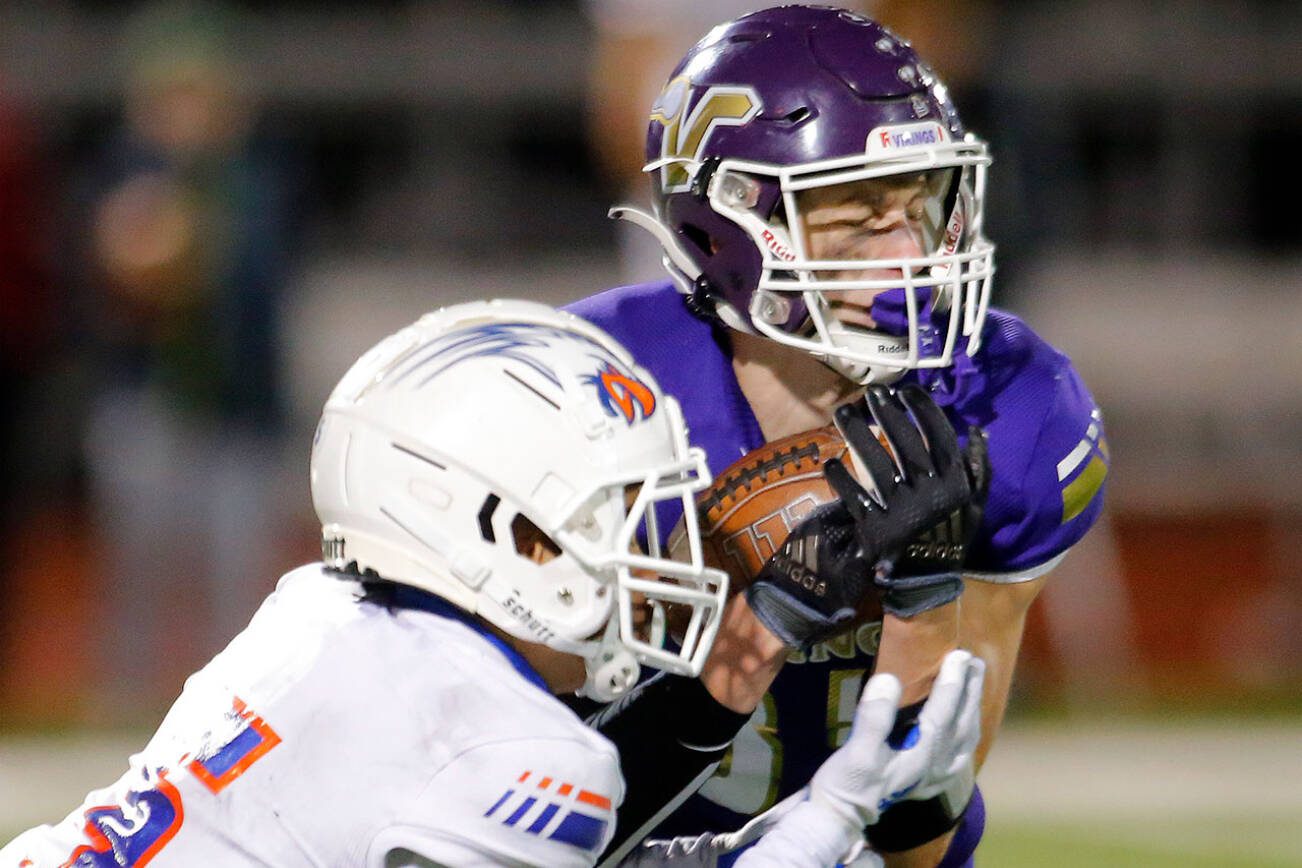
1048, 459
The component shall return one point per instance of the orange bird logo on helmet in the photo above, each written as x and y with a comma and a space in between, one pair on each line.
623, 395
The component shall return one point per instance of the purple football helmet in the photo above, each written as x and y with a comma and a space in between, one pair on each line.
793, 99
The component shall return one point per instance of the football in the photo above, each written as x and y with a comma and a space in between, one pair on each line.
753, 505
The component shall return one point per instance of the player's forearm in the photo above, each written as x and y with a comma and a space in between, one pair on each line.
744, 661
992, 620
672, 731
671, 734
912, 649
662, 761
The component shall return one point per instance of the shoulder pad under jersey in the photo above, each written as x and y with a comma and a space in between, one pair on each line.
1048, 454
542, 801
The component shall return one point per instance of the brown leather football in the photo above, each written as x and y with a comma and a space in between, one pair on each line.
753, 505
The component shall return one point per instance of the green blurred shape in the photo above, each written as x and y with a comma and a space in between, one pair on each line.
1257, 841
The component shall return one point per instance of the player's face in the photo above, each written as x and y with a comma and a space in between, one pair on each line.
896, 217
531, 542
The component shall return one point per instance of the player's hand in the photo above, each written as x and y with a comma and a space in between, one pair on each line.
951, 720
810, 588
863, 778
929, 499
869, 773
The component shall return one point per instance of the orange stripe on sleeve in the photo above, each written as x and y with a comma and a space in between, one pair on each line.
595, 799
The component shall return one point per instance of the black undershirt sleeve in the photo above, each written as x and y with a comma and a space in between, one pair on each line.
669, 731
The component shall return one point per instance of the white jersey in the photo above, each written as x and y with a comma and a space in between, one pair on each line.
336, 733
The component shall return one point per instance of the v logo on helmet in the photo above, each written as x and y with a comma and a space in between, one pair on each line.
622, 395
685, 137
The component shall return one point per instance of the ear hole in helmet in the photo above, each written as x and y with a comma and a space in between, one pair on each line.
699, 238
530, 541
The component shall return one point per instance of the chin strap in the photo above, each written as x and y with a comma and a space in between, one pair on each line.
861, 372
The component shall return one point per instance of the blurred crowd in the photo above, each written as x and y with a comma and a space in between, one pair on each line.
177, 212
145, 432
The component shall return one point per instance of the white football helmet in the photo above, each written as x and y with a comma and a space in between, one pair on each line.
455, 441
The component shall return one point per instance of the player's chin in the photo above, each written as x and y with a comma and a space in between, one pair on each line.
853, 307
568, 674
852, 314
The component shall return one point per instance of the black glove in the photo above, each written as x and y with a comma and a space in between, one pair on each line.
941, 550
810, 588
936, 489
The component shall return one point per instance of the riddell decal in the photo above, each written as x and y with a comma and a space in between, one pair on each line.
777, 246
953, 231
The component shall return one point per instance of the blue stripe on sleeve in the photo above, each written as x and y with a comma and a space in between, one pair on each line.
581, 831
543, 819
520, 811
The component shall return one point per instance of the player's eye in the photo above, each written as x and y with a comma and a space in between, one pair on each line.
530, 541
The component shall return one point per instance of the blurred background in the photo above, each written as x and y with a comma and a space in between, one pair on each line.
208, 210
